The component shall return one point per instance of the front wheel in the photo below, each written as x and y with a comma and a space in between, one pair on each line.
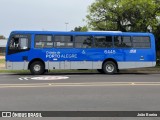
37, 68
109, 67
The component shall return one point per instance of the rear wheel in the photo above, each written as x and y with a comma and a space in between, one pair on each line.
109, 67
37, 68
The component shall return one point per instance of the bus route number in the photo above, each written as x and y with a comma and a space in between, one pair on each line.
109, 52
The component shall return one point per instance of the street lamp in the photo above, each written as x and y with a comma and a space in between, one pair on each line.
66, 25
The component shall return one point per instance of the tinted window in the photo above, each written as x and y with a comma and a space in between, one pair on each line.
63, 41
43, 41
103, 41
141, 42
83, 41
122, 41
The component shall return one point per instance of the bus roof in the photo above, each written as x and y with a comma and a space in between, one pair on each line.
82, 33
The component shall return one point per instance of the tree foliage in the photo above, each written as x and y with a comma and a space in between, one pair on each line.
2, 37
82, 29
125, 15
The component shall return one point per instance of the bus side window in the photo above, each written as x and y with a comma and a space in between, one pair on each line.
118, 41
141, 42
122, 41
43, 41
23, 43
83, 41
103, 41
63, 41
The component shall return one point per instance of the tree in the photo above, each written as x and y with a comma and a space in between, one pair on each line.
82, 29
2, 37
157, 36
124, 15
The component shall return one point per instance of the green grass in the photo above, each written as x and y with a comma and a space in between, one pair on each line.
2, 61
158, 66
52, 71
15, 71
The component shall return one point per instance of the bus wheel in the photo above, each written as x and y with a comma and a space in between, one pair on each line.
37, 68
100, 71
109, 67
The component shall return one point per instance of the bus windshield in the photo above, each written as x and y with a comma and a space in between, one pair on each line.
18, 43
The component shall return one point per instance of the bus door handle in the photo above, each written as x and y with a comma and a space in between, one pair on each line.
142, 58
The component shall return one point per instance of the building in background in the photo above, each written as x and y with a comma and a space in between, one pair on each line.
3, 43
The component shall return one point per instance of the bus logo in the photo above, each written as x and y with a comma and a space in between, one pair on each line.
58, 55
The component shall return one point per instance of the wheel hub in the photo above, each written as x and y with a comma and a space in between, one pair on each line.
37, 68
110, 68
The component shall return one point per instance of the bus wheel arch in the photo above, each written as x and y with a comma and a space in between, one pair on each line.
110, 66
37, 66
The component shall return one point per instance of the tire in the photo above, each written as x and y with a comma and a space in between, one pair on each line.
109, 67
46, 71
100, 71
37, 68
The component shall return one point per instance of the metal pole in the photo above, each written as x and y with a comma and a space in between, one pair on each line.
66, 25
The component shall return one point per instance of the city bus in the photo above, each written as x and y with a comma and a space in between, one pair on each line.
108, 51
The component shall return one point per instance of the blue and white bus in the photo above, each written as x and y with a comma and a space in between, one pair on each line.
108, 52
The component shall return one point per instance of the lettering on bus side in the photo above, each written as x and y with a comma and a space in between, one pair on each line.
57, 55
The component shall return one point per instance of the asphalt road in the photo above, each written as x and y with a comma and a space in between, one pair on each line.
80, 92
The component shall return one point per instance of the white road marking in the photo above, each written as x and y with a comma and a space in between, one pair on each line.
24, 78
50, 78
44, 78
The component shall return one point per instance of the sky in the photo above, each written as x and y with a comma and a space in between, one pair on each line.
48, 15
